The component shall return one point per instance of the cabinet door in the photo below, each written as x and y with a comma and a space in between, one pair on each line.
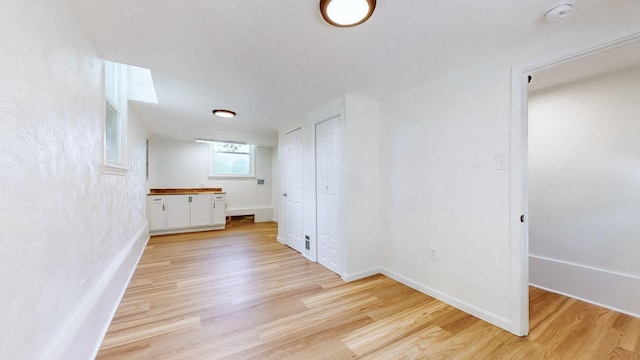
219, 213
157, 217
157, 214
178, 211
201, 210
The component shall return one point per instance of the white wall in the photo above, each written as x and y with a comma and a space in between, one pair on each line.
70, 235
362, 181
584, 197
185, 164
276, 184
439, 145
443, 191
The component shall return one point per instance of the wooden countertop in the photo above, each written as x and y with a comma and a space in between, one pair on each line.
185, 191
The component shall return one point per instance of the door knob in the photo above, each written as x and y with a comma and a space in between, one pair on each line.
284, 194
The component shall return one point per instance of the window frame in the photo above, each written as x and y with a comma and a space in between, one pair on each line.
252, 162
116, 100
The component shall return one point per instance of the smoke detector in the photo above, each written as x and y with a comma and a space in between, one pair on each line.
558, 12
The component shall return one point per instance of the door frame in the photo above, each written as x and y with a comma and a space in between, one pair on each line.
519, 187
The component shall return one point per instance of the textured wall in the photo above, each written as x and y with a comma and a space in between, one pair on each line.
62, 220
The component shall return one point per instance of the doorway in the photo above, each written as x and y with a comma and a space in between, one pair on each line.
519, 188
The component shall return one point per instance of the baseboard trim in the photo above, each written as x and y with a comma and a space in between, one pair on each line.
83, 336
586, 283
491, 318
361, 274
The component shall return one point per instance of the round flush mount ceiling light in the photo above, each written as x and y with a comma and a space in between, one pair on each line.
558, 12
224, 113
346, 13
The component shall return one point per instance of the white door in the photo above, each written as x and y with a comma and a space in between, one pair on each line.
219, 212
328, 211
293, 172
157, 214
178, 211
201, 210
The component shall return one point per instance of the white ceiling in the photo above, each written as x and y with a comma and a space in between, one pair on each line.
274, 61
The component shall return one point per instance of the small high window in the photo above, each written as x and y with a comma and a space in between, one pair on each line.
231, 159
115, 123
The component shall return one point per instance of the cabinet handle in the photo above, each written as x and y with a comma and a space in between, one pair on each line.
162, 207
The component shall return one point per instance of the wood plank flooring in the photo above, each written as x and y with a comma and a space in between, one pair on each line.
239, 294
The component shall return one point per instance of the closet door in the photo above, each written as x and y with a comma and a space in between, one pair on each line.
293, 197
328, 201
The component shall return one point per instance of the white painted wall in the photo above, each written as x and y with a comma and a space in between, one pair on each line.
443, 189
70, 235
178, 163
584, 195
276, 184
362, 224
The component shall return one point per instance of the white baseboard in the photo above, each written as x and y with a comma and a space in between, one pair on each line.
491, 318
608, 289
83, 336
361, 274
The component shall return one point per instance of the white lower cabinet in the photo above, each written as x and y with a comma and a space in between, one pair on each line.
178, 211
157, 213
184, 213
201, 210
219, 210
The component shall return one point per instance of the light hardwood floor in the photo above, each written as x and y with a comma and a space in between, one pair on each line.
239, 294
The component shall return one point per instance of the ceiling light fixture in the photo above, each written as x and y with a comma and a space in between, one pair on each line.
206, 140
224, 113
346, 13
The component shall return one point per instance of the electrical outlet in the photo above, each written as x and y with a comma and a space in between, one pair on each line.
434, 254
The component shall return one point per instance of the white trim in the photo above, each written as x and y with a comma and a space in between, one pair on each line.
83, 334
518, 191
362, 274
122, 109
586, 267
586, 283
114, 170
451, 300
